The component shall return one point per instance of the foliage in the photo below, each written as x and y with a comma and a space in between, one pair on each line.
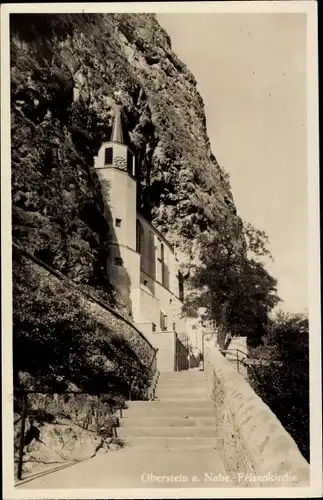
284, 386
59, 343
236, 290
58, 209
256, 241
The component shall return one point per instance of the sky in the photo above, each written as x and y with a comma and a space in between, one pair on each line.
251, 74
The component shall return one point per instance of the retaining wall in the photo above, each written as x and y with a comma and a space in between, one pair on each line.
255, 447
165, 343
101, 311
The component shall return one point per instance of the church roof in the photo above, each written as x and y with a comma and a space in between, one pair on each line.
116, 134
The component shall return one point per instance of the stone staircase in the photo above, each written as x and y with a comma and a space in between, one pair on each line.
170, 442
181, 416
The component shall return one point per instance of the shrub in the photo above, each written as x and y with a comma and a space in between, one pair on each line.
284, 386
58, 342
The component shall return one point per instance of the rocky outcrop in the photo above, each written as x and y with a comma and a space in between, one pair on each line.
62, 442
64, 428
68, 71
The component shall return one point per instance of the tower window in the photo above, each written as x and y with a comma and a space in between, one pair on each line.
118, 261
108, 156
118, 222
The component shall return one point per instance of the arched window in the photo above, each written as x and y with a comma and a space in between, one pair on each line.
140, 241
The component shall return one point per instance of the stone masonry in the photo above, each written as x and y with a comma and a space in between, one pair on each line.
251, 438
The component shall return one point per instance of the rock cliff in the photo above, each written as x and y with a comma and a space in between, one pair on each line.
67, 74
68, 71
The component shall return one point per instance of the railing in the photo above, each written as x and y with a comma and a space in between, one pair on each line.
111, 411
112, 408
238, 360
181, 351
251, 363
155, 376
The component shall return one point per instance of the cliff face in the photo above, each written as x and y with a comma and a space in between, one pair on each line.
68, 71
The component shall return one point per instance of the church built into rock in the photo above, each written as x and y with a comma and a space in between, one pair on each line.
143, 265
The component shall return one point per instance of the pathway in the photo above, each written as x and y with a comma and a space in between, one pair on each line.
170, 442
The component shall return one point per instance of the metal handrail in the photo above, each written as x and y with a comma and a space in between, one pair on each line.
155, 374
238, 361
246, 356
235, 349
155, 371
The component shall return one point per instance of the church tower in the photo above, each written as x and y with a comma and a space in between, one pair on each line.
115, 166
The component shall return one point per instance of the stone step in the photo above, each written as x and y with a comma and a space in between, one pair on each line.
180, 395
167, 410
183, 391
183, 375
182, 380
127, 432
193, 386
171, 403
167, 421
172, 443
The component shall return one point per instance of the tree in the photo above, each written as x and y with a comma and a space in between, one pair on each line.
283, 384
234, 287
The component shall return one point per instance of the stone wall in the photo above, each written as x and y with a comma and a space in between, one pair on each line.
139, 343
165, 343
256, 449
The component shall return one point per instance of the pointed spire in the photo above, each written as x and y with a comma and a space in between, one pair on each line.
117, 135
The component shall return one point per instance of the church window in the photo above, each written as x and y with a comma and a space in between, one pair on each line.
140, 242
164, 268
108, 158
159, 244
139, 237
118, 222
162, 252
151, 254
164, 274
180, 286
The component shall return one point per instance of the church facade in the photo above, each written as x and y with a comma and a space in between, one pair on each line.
142, 264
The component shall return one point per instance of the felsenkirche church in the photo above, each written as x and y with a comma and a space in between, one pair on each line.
143, 265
